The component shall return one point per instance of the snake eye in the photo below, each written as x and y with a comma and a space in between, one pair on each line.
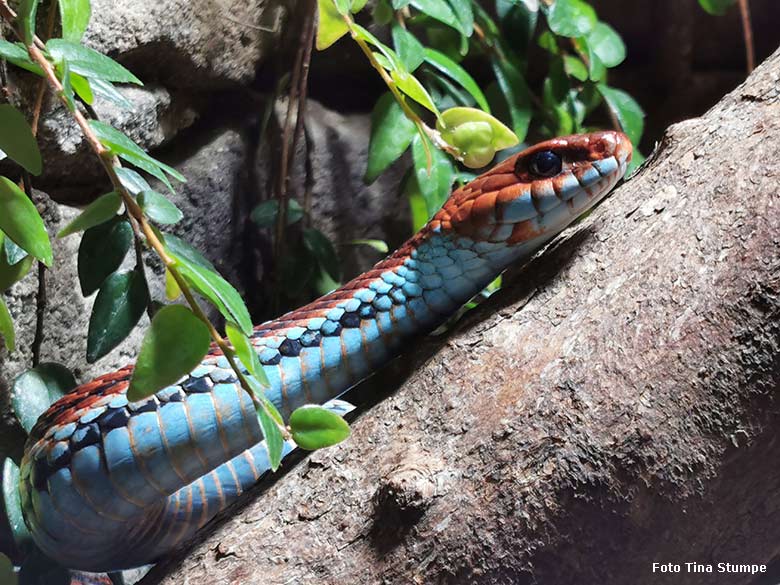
545, 164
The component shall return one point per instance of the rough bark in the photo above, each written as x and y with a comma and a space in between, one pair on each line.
614, 405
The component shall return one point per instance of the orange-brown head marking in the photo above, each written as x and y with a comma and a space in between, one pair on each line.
539, 191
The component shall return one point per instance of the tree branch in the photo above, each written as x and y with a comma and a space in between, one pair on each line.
610, 408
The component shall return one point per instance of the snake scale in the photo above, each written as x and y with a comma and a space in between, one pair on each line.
107, 485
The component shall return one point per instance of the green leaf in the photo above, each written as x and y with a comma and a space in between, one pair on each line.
629, 113
7, 574
717, 7
11, 273
517, 94
26, 18
636, 161
13, 252
7, 327
125, 148
182, 249
322, 249
159, 208
174, 326
105, 90
465, 14
314, 427
391, 135
596, 69
74, 15
410, 85
82, 88
331, 25
441, 11
607, 44
20, 221
36, 389
476, 134
417, 204
17, 54
549, 42
575, 68
215, 288
101, 251
119, 304
571, 18
450, 68
63, 72
89, 63
274, 442
394, 62
38, 569
13, 509
99, 211
378, 245
17, 140
410, 50
518, 22
132, 181
435, 188
265, 214
246, 353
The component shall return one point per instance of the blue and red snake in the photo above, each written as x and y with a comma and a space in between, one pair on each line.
108, 484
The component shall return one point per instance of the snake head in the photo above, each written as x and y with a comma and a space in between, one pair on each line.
531, 196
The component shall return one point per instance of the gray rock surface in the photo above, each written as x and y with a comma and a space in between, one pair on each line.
188, 43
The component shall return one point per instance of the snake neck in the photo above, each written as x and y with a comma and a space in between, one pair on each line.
317, 352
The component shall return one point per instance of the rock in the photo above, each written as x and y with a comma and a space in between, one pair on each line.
72, 173
342, 206
189, 44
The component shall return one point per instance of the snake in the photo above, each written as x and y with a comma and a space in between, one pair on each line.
107, 484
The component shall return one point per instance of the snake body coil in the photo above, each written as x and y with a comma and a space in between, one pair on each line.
106, 484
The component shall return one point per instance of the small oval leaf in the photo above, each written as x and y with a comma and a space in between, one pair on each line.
20, 221
314, 427
120, 302
174, 344
7, 332
101, 251
391, 135
265, 214
99, 211
571, 18
13, 507
89, 63
17, 140
36, 389
246, 353
212, 286
159, 208
11, 273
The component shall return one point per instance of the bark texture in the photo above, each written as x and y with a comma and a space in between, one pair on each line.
614, 405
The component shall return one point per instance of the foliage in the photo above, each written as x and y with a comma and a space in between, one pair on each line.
128, 215
435, 45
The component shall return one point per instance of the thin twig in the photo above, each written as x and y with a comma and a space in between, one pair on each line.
747, 31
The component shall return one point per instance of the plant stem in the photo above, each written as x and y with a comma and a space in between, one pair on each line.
747, 31
110, 162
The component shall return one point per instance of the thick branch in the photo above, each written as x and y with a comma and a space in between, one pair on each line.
611, 407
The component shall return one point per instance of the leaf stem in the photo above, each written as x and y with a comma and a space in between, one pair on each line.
424, 130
